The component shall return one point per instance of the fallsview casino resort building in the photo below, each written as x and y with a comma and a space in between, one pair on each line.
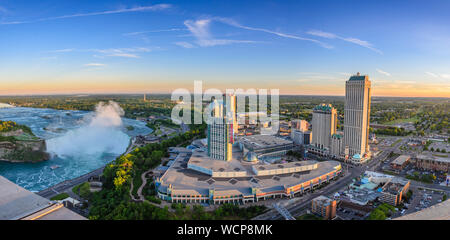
222, 131
357, 118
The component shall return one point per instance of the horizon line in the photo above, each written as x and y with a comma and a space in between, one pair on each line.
165, 93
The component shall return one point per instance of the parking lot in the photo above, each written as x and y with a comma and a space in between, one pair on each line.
350, 214
421, 199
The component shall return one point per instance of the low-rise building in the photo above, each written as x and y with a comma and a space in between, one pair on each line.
297, 137
300, 125
400, 162
337, 145
17, 203
393, 191
307, 137
324, 207
433, 162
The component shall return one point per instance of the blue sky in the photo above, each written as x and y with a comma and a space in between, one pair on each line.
300, 47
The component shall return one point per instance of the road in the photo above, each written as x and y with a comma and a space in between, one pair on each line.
297, 206
68, 184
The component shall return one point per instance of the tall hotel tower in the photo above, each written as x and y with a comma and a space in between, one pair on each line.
357, 117
221, 131
324, 122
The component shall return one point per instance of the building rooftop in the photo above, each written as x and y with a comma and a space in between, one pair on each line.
400, 160
325, 201
287, 165
255, 142
393, 187
19, 203
434, 157
323, 107
358, 77
186, 181
234, 165
337, 135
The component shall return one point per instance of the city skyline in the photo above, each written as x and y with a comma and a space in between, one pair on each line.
302, 48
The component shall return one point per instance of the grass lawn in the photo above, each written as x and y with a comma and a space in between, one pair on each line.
60, 196
82, 190
26, 137
439, 155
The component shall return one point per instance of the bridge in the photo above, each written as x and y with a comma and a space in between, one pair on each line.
283, 211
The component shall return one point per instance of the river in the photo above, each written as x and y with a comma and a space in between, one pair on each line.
78, 141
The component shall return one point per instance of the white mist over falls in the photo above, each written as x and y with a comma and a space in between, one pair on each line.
79, 142
100, 134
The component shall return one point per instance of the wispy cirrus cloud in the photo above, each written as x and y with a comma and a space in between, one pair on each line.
439, 76
432, 74
122, 52
184, 44
156, 7
95, 65
200, 30
234, 23
110, 52
155, 31
356, 41
62, 50
446, 76
383, 72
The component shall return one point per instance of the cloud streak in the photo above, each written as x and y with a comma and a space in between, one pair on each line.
432, 74
155, 31
356, 41
233, 23
157, 7
110, 52
200, 30
122, 52
184, 44
95, 65
383, 72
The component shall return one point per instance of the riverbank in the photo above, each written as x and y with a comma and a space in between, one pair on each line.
69, 184
79, 149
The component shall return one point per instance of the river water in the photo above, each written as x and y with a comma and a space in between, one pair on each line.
78, 141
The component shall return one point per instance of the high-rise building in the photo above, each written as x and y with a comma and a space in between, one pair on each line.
226, 108
222, 129
324, 124
220, 140
357, 117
